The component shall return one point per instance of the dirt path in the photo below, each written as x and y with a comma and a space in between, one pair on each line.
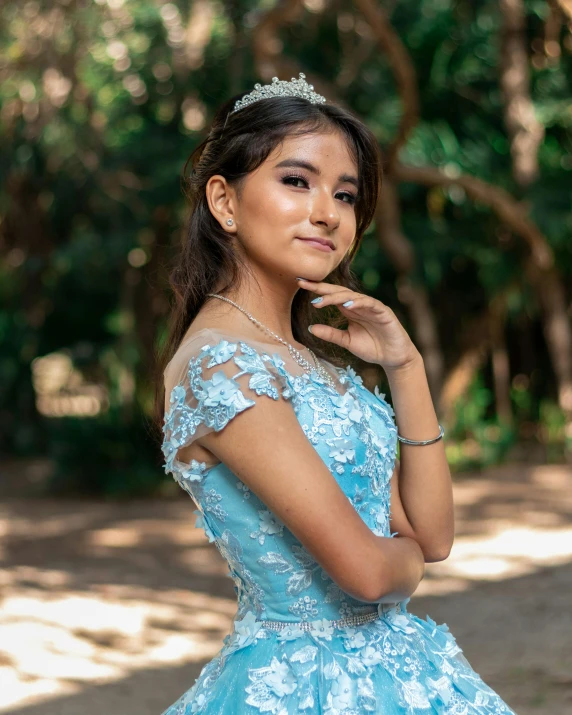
113, 608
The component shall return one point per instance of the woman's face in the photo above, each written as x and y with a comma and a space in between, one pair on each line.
305, 188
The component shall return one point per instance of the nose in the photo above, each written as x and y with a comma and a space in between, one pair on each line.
325, 211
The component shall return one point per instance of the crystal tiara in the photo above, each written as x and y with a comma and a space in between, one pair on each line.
280, 88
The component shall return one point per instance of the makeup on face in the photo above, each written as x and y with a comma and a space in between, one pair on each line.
316, 244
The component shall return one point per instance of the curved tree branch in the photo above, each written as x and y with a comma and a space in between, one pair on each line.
267, 48
507, 208
541, 271
403, 72
566, 7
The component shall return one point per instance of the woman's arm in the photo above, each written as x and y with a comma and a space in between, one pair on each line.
422, 493
404, 570
375, 335
266, 448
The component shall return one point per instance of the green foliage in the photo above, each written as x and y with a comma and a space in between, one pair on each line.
478, 438
102, 102
104, 456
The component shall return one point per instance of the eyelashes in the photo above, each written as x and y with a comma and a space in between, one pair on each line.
296, 177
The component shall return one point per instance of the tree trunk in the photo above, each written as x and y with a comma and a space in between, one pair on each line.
524, 131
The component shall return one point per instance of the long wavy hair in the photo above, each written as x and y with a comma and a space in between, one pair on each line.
236, 145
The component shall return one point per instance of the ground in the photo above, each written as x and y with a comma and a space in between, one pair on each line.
114, 607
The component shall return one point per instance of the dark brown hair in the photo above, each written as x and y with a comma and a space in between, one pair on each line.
236, 145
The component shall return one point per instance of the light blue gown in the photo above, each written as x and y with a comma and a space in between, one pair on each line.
395, 664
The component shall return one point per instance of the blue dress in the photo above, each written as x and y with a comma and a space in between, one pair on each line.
299, 644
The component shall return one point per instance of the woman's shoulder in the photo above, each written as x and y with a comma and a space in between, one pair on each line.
213, 325
203, 339
208, 348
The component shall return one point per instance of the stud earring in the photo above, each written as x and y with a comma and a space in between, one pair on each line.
229, 222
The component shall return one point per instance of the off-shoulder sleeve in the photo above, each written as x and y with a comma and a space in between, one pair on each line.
219, 380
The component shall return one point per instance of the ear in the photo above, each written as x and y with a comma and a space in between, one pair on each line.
221, 199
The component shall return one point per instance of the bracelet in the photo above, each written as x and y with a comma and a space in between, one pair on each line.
424, 442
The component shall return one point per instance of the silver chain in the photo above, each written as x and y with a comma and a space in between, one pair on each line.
294, 352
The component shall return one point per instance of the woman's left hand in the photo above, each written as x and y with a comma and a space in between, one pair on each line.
374, 333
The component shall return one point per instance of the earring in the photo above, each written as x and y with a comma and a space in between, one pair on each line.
229, 222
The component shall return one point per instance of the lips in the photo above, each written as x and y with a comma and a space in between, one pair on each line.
318, 242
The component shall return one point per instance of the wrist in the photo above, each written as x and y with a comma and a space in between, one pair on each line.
403, 371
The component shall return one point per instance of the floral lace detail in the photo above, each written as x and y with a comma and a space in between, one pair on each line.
243, 488
396, 663
359, 499
250, 594
218, 399
269, 525
301, 574
304, 607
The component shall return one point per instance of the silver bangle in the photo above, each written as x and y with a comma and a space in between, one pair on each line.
423, 442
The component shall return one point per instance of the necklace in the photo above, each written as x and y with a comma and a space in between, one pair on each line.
294, 352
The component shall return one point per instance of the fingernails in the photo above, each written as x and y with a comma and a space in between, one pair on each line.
310, 328
317, 300
346, 304
300, 279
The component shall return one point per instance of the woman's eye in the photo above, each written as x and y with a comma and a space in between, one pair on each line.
351, 199
289, 179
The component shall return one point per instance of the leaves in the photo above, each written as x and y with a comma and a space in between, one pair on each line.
100, 109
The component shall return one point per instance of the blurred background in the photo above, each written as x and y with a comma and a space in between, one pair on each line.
111, 602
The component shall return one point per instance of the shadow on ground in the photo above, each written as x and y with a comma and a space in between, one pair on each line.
115, 607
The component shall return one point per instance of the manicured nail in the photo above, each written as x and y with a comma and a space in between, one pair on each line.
310, 328
300, 279
346, 304
317, 300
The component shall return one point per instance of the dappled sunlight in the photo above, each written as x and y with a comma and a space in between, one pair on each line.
510, 553
53, 643
510, 522
127, 534
96, 593
61, 390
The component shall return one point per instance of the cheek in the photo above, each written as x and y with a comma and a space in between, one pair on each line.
272, 205
283, 202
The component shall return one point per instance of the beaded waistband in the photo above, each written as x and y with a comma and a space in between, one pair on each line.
354, 620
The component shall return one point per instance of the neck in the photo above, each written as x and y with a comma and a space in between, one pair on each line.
269, 302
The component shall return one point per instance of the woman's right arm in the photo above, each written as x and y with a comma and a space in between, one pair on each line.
406, 568
266, 448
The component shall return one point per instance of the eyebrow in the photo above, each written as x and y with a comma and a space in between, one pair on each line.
348, 178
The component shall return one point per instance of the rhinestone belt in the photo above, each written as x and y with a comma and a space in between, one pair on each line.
339, 623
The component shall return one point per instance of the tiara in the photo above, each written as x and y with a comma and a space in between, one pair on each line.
281, 88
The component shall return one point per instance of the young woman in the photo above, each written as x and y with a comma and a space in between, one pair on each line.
290, 459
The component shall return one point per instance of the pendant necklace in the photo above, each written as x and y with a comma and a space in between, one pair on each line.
294, 352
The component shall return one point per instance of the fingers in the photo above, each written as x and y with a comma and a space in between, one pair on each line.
355, 300
333, 335
324, 289
330, 294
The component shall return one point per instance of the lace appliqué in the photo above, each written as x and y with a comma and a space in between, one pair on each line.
301, 575
269, 525
398, 662
216, 401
